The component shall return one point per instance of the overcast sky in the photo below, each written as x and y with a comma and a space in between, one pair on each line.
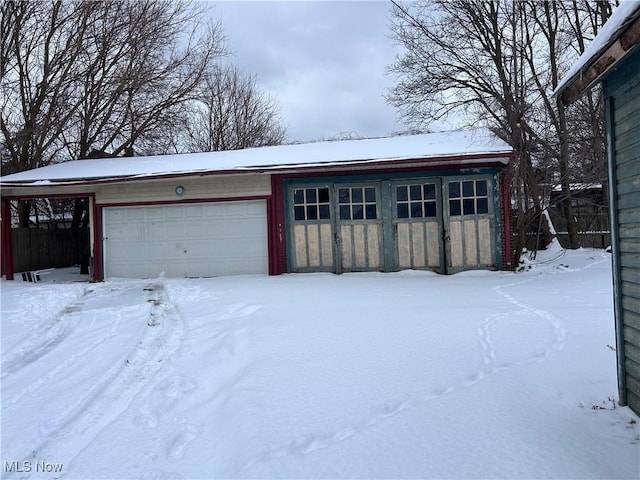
324, 62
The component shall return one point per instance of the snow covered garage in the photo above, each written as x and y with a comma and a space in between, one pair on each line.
433, 201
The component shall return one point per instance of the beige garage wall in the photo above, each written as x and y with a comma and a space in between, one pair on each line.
197, 188
156, 190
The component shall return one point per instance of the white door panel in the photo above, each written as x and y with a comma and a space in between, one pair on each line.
195, 240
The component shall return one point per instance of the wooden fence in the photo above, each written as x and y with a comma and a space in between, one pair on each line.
35, 248
593, 231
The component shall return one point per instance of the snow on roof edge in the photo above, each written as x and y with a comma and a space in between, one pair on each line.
499, 157
399, 148
624, 14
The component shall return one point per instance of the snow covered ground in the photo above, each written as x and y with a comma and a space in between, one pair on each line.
405, 375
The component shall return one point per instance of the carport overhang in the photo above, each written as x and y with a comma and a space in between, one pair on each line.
10, 194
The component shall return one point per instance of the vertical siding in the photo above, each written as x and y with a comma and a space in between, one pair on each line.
623, 95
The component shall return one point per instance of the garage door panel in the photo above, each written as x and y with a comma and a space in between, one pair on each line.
243, 229
157, 215
157, 251
174, 230
235, 210
186, 240
110, 215
214, 227
193, 211
212, 211
195, 269
199, 230
235, 228
156, 229
131, 251
239, 249
239, 266
253, 209
135, 215
198, 249
173, 212
125, 232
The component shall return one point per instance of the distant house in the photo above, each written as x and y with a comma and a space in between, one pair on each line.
435, 202
50, 214
590, 210
587, 197
613, 59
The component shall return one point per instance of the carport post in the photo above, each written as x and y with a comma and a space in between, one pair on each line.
7, 239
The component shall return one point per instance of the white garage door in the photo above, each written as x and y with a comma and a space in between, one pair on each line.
190, 240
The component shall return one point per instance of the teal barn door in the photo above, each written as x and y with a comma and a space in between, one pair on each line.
469, 220
417, 225
359, 227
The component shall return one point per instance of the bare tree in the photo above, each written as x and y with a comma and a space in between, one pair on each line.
231, 113
461, 58
105, 76
37, 72
496, 64
147, 60
37, 79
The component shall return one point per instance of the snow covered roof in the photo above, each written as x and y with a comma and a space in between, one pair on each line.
622, 17
467, 143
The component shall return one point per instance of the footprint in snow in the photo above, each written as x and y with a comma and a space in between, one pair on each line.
178, 386
145, 417
239, 310
177, 444
167, 393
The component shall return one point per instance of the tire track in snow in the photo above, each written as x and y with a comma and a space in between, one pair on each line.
61, 367
44, 338
71, 432
306, 444
228, 357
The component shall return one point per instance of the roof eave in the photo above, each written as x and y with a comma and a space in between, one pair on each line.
601, 63
468, 160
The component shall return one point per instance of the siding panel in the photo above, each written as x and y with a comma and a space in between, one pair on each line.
630, 274
631, 335
622, 89
629, 260
632, 352
208, 187
633, 371
630, 245
632, 321
633, 401
628, 185
632, 199
633, 388
630, 289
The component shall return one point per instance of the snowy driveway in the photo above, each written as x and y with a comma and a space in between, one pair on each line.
476, 375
